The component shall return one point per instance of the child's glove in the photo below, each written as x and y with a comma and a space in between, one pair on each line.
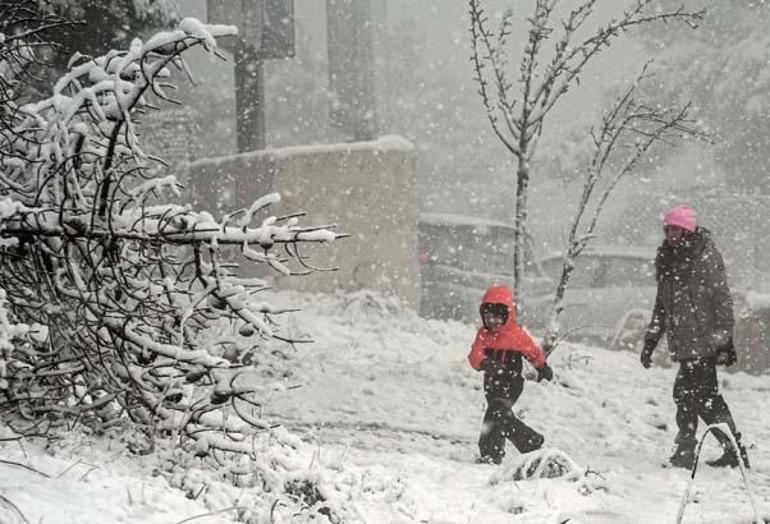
544, 373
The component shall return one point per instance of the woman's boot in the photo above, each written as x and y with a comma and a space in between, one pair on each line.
730, 457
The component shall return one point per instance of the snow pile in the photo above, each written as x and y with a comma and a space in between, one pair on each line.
81, 481
84, 479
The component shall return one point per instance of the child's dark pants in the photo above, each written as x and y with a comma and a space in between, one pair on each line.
503, 388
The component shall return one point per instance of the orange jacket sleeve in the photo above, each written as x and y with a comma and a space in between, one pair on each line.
477, 352
527, 346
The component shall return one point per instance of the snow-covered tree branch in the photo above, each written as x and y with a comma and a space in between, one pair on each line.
146, 318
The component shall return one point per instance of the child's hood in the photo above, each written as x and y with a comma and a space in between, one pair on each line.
500, 294
510, 337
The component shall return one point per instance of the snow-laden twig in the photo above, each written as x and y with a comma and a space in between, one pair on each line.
725, 430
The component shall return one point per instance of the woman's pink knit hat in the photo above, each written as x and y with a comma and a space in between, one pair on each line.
682, 216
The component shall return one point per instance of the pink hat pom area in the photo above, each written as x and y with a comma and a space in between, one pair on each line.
682, 216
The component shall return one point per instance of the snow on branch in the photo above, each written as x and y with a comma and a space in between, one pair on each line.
147, 316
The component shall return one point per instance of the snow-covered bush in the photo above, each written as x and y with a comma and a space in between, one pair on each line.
147, 323
549, 463
546, 463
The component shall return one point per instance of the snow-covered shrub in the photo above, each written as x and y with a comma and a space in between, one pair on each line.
268, 487
546, 463
147, 321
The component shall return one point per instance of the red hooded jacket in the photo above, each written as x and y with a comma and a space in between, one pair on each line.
508, 337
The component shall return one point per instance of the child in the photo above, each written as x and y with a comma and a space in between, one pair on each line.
497, 351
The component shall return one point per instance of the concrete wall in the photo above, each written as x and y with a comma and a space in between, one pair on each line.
369, 189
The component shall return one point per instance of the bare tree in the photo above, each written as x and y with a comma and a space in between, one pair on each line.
518, 98
629, 129
138, 315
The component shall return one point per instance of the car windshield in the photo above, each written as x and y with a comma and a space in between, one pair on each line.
596, 271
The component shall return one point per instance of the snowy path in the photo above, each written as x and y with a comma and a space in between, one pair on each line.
393, 395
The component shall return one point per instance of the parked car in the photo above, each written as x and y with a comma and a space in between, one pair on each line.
752, 331
609, 296
460, 256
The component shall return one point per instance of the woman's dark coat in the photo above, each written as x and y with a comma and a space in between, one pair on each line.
693, 305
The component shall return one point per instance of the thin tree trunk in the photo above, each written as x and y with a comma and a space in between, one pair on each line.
553, 329
522, 187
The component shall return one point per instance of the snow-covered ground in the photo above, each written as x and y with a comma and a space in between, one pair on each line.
391, 411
